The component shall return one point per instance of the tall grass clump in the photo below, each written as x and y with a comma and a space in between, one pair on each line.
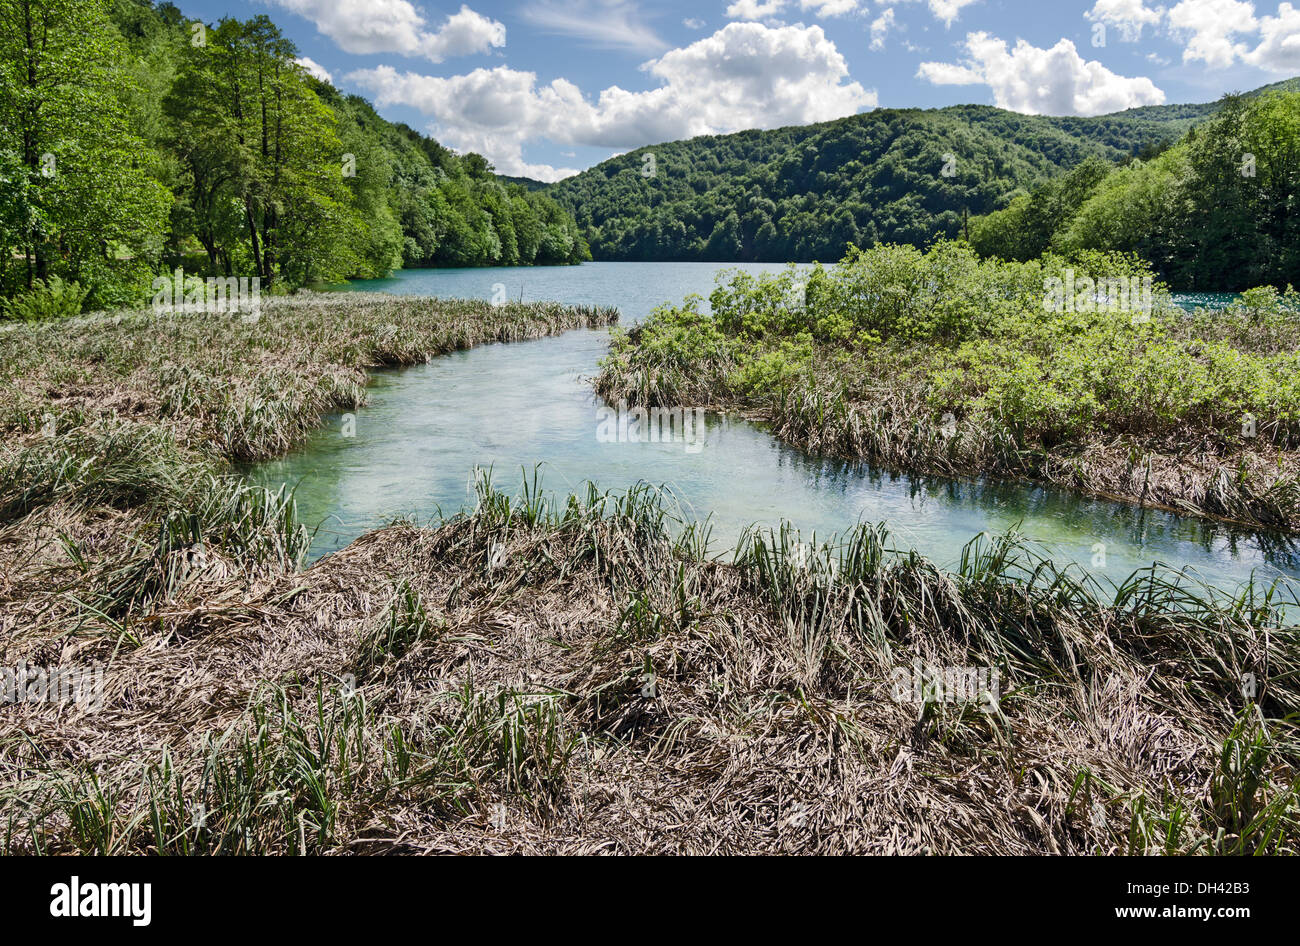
577, 674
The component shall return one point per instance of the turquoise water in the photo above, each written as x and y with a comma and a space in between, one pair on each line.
1204, 300
426, 428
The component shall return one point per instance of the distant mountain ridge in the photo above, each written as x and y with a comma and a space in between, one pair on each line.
805, 192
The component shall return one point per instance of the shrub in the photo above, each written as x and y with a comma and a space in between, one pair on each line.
52, 299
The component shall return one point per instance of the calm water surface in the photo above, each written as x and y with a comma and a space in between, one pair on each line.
512, 406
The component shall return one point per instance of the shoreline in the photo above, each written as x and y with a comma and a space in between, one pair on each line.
940, 363
774, 423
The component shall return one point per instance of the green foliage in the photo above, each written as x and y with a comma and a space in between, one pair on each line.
1214, 212
888, 291
52, 299
807, 193
997, 345
766, 370
134, 150
79, 200
1024, 229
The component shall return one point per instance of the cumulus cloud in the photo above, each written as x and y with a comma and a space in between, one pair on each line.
745, 75
1210, 26
1128, 16
395, 26
1056, 81
1279, 47
314, 68
1218, 33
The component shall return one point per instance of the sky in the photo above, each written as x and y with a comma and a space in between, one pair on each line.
547, 88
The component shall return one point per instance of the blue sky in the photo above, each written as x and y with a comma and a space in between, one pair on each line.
549, 87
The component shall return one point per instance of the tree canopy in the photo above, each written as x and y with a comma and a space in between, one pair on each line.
134, 141
1217, 211
805, 193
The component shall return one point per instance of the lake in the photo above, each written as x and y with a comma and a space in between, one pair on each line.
510, 407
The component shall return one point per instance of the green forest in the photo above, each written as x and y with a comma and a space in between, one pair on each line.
1215, 212
805, 193
888, 176
134, 141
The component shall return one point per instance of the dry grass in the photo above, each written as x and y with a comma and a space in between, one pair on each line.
579, 678
536, 679
877, 410
244, 389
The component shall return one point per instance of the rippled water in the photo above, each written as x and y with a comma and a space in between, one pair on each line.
512, 406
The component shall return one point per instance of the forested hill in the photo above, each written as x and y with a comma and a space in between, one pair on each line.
416, 203
804, 193
1215, 212
163, 143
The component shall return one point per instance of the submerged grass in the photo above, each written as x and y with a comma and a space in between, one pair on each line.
577, 675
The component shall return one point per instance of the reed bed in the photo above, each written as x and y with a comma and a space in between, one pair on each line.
238, 386
941, 365
575, 675
579, 677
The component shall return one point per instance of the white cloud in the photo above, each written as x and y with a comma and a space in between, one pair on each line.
944, 10
754, 9
1215, 32
948, 10
746, 75
691, 23
828, 8
314, 68
1056, 81
1128, 16
613, 23
1279, 47
880, 28
395, 26
1210, 26
948, 73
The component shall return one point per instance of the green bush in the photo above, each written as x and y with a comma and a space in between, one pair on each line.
52, 299
986, 339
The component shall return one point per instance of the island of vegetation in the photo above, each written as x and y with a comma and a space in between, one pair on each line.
1076, 371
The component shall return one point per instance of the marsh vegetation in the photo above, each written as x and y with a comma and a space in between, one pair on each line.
938, 361
572, 675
